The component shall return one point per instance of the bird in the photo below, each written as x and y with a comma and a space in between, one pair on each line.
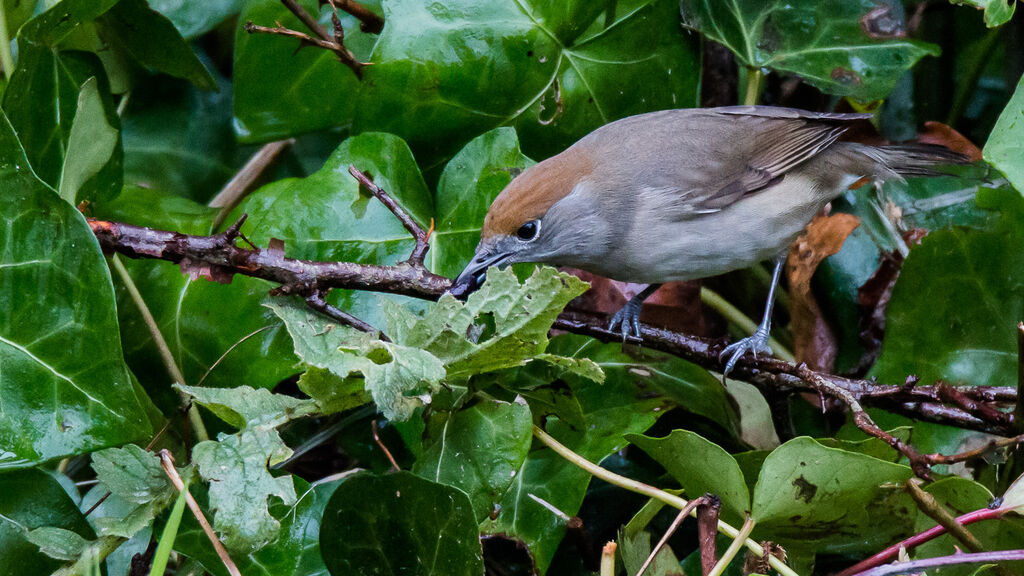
682, 194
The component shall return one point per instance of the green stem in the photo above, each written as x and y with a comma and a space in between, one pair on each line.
754, 76
6, 58
652, 492
165, 352
735, 316
734, 548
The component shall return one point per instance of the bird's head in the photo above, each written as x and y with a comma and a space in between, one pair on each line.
548, 214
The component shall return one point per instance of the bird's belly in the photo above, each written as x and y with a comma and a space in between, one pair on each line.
754, 229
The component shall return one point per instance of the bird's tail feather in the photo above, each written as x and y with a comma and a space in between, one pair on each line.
899, 161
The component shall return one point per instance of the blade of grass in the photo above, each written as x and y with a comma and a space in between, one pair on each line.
163, 548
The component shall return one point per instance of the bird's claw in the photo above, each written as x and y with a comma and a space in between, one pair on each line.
627, 317
758, 343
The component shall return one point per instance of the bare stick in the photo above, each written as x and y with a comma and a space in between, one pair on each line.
418, 233
916, 540
683, 513
369, 21
734, 548
708, 515
927, 504
167, 462
376, 438
242, 182
218, 258
1018, 409
317, 302
917, 566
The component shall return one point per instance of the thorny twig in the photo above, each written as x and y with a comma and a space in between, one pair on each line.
333, 42
219, 258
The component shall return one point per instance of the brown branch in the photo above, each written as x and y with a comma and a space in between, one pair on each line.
242, 183
980, 410
418, 233
683, 513
369, 21
1018, 408
707, 531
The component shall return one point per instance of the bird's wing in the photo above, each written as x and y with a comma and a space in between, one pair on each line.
744, 149
784, 147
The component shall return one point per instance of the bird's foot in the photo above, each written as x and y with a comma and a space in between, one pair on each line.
627, 319
758, 343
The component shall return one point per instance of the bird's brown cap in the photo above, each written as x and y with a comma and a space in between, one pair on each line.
532, 193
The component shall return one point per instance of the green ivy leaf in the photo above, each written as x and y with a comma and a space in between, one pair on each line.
65, 387
193, 19
136, 477
58, 543
1005, 146
954, 276
718, 472
997, 12
857, 48
92, 143
236, 465
468, 185
478, 450
444, 73
831, 500
29, 500
403, 522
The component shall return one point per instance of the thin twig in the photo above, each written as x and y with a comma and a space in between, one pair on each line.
242, 182
344, 55
918, 566
228, 351
306, 18
987, 448
683, 513
167, 462
418, 233
318, 302
916, 540
708, 515
734, 548
649, 491
376, 438
170, 364
369, 21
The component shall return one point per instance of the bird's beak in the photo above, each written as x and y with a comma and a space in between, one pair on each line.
473, 275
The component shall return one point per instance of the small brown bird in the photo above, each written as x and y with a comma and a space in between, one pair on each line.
683, 194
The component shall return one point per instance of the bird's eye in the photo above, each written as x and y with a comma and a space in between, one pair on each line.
529, 231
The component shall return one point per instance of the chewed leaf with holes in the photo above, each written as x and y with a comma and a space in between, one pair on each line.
236, 464
64, 385
398, 377
856, 48
501, 325
136, 477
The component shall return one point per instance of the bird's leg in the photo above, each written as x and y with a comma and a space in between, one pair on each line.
629, 316
758, 342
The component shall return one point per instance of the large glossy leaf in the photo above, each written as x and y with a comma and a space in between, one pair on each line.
1005, 147
834, 500
195, 18
281, 91
478, 450
138, 30
856, 48
65, 387
400, 524
468, 185
178, 139
30, 500
954, 310
443, 73
42, 101
700, 466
